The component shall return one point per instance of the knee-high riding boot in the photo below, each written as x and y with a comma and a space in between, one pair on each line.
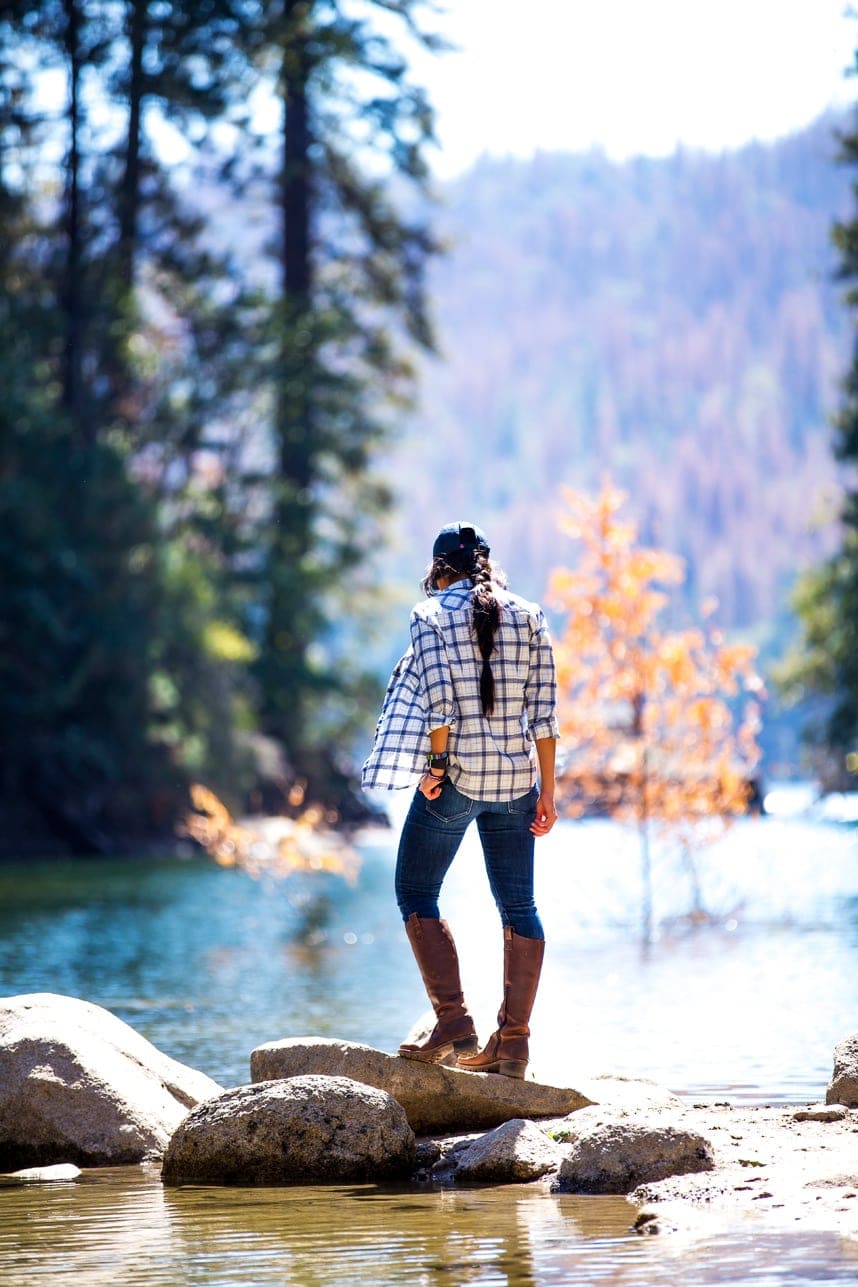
435, 953
506, 1050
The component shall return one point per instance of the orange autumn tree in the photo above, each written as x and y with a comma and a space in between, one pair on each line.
648, 714
273, 847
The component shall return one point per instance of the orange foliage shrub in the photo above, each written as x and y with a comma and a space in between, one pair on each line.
648, 714
276, 846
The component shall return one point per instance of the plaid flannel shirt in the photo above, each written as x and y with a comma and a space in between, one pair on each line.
437, 682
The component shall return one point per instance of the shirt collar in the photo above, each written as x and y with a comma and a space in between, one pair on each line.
457, 592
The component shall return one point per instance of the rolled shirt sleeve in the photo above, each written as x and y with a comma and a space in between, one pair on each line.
433, 667
541, 689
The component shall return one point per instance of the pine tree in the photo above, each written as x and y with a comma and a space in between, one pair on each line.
123, 336
351, 267
843, 722
824, 663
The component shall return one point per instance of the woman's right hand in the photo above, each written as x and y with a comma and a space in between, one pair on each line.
546, 814
430, 785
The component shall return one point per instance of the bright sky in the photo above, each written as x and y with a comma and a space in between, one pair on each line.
634, 76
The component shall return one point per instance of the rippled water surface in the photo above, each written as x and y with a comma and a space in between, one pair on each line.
747, 1002
743, 1000
121, 1227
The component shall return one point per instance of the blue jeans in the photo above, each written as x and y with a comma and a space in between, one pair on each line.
432, 834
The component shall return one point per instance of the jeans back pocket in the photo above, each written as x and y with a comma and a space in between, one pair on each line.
525, 804
450, 805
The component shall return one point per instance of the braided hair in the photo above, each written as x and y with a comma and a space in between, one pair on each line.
473, 561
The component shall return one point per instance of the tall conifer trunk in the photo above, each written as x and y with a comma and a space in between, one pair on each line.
119, 293
348, 262
290, 627
71, 293
129, 196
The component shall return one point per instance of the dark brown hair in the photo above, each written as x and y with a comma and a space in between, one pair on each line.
473, 562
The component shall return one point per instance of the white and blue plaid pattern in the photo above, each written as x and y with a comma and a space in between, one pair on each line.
437, 682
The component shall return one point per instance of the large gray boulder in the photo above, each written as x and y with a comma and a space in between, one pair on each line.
304, 1130
436, 1099
843, 1088
513, 1153
615, 1155
77, 1085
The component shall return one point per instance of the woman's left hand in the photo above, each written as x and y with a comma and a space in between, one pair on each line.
430, 785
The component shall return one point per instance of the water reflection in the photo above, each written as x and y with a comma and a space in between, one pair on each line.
120, 1226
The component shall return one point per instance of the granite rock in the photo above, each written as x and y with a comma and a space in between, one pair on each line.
615, 1154
300, 1130
78, 1085
436, 1099
513, 1153
843, 1088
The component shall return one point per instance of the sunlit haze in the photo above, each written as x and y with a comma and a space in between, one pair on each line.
632, 77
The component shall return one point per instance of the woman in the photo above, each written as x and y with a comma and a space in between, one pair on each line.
470, 709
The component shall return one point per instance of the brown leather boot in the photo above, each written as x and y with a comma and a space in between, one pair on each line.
435, 953
506, 1050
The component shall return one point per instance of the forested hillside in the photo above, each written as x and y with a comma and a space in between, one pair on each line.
673, 323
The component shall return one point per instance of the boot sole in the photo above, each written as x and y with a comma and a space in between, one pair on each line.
446, 1055
505, 1067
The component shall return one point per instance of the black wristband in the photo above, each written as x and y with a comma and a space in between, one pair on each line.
437, 759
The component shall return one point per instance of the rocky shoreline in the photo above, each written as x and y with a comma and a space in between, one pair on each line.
785, 1166
80, 1088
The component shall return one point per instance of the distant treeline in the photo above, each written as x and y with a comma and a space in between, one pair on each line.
675, 323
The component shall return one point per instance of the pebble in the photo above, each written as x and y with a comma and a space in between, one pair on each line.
821, 1113
646, 1224
42, 1174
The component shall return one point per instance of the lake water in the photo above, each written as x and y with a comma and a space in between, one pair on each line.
745, 1003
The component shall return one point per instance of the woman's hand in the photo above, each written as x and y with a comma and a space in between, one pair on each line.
430, 784
546, 815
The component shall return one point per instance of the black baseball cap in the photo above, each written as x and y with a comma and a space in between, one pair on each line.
459, 536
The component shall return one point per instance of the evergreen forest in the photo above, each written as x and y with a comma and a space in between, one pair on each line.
185, 440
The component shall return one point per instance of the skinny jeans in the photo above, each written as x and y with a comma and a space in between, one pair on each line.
430, 839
